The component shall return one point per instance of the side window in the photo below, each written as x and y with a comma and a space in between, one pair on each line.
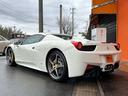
33, 39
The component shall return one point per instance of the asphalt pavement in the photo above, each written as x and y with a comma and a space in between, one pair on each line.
21, 81
115, 84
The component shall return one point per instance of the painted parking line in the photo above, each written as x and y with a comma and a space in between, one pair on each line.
100, 88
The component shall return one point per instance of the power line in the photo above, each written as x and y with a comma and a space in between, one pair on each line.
5, 4
11, 12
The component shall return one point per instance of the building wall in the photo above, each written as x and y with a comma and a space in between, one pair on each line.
109, 21
105, 21
123, 27
120, 8
106, 9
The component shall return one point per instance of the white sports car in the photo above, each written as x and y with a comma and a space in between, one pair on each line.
61, 56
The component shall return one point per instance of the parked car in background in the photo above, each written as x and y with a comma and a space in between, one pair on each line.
16, 40
3, 44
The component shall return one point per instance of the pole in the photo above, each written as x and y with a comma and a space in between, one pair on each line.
72, 20
61, 19
41, 29
14, 31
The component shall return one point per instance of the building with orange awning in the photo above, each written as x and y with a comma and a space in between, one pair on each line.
113, 15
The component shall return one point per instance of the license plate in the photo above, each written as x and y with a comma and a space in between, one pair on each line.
109, 59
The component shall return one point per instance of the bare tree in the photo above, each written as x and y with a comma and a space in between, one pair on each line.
8, 31
66, 25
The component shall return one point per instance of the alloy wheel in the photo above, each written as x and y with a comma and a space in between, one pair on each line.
56, 66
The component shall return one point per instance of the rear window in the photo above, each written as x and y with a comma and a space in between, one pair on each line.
65, 37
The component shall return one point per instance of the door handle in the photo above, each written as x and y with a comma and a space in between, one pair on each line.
33, 47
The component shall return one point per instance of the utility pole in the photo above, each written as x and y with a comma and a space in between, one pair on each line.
61, 19
72, 9
14, 31
14, 28
41, 29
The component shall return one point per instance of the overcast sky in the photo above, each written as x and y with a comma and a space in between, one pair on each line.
24, 14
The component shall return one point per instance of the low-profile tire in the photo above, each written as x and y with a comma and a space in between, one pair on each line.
57, 66
3, 54
10, 57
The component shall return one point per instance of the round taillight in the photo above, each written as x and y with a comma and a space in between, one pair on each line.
78, 45
117, 46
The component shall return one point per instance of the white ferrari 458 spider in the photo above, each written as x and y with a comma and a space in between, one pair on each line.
62, 56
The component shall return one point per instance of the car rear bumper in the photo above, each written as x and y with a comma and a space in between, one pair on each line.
78, 61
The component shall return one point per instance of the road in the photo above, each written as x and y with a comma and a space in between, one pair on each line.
115, 84
21, 81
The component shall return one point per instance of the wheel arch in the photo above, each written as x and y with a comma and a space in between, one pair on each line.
52, 50
6, 48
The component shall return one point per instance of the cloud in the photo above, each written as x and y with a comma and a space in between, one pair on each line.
24, 13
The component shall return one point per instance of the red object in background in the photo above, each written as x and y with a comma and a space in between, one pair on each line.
117, 46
